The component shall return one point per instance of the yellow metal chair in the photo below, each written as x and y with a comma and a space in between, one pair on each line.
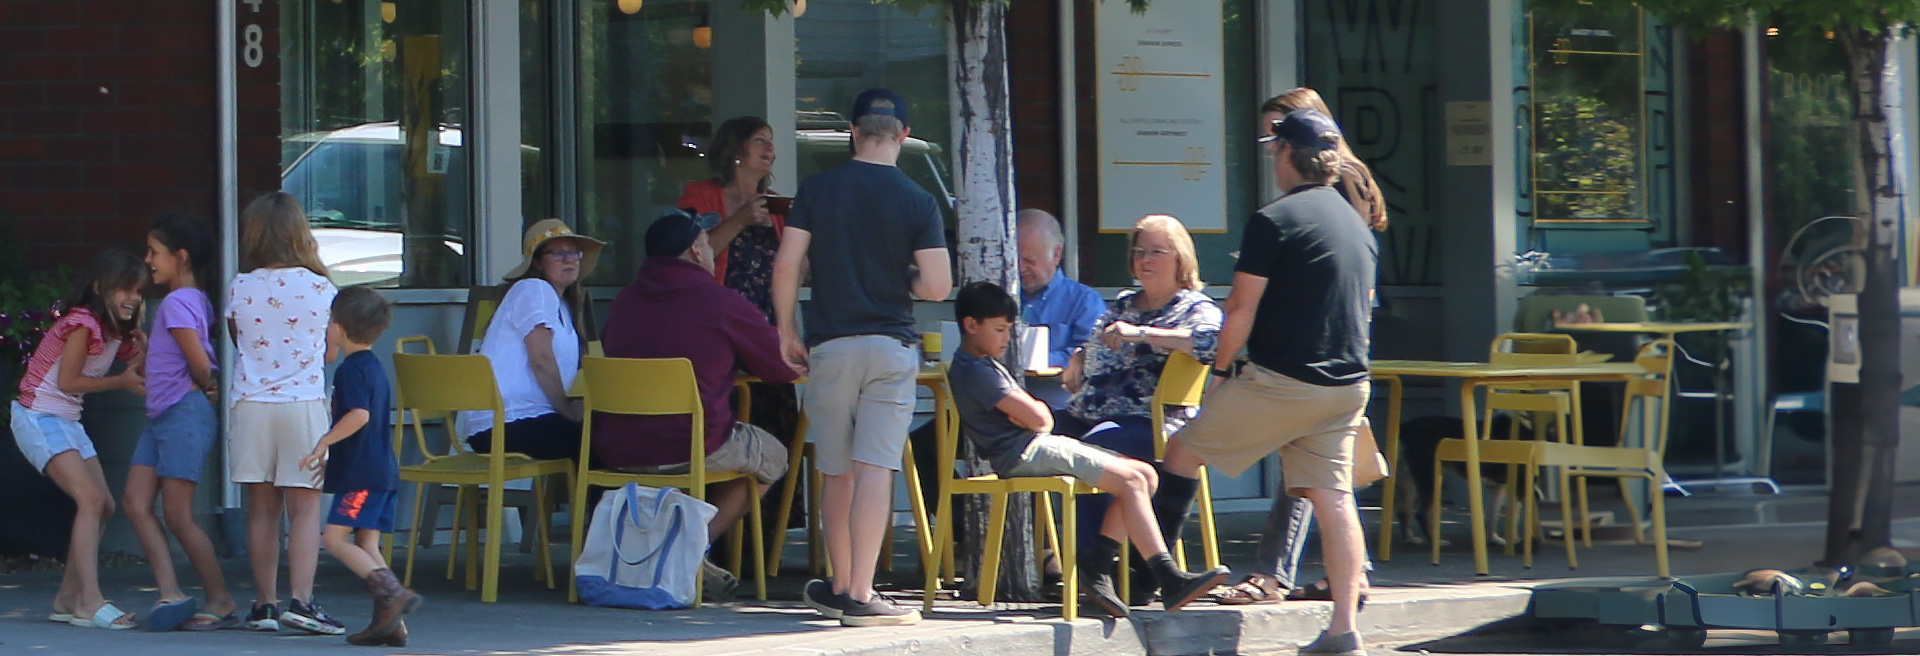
655, 387
449, 383
1642, 461
1182, 381
1000, 490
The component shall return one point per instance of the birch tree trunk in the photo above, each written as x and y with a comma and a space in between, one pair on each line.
988, 251
1860, 507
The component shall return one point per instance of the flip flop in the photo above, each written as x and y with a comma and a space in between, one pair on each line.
103, 618
168, 616
60, 618
205, 621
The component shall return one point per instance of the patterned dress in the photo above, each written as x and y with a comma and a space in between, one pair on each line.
1120, 382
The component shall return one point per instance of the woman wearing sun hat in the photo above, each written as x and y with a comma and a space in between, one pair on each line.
535, 347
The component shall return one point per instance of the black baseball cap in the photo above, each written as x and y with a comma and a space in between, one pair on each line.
893, 105
1307, 128
673, 233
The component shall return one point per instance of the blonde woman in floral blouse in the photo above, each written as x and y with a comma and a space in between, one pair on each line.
1113, 376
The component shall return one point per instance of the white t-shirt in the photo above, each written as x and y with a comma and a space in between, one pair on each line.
529, 304
280, 326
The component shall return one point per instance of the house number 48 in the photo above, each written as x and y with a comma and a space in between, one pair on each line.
253, 39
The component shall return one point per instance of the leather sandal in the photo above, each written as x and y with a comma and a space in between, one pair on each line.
1321, 590
1249, 591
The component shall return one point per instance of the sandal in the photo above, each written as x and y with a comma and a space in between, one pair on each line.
168, 615
107, 616
1322, 591
205, 621
1248, 591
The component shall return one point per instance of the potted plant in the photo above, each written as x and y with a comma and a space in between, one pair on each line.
41, 514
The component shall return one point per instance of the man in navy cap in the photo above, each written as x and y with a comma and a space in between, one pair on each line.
875, 242
675, 309
1301, 388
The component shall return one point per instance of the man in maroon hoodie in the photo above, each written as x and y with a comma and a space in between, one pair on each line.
675, 309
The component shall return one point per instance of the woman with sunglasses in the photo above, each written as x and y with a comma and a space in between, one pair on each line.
535, 347
1114, 375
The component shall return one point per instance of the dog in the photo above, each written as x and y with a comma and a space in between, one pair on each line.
1419, 440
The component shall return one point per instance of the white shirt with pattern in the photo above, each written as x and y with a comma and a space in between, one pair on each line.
280, 325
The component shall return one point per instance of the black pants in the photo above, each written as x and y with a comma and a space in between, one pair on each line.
546, 437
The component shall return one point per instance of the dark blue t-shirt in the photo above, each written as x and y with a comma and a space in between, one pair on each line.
1318, 258
866, 221
363, 461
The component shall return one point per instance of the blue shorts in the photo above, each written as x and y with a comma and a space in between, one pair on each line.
364, 509
176, 443
42, 436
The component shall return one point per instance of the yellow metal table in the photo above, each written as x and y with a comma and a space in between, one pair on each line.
1472, 376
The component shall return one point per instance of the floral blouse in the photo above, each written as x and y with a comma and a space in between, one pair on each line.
1120, 382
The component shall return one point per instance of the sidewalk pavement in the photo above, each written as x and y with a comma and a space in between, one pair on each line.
1412, 600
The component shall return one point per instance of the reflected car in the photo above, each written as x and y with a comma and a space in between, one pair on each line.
349, 182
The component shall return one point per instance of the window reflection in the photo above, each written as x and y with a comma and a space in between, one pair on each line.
371, 135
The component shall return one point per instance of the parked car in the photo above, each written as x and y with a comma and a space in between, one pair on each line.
349, 181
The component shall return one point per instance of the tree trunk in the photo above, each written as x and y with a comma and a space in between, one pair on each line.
427, 262
1859, 513
988, 251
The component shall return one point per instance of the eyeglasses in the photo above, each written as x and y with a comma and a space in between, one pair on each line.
1273, 133
1150, 253
567, 255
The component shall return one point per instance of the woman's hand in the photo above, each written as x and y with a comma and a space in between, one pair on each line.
1075, 377
751, 213
1121, 332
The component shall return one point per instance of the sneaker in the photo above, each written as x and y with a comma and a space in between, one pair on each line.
262, 617
878, 611
310, 617
819, 594
1190, 586
718, 584
1345, 644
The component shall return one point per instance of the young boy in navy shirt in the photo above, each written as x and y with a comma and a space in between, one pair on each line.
361, 471
1014, 431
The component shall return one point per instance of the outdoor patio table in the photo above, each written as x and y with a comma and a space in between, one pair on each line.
1473, 376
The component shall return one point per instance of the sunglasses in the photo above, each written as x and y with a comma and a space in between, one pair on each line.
1273, 133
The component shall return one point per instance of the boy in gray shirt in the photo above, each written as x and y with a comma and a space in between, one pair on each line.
1014, 431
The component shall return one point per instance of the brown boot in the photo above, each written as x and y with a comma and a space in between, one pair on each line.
391, 604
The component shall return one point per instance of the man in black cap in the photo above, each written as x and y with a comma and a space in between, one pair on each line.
675, 309
1303, 387
875, 241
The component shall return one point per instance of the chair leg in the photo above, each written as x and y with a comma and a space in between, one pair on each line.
1566, 520
784, 512
413, 534
577, 524
1433, 511
544, 503
459, 517
942, 548
1531, 510
1209, 537
496, 514
1069, 556
990, 559
1659, 525
923, 529
1044, 528
757, 526
737, 548
1586, 515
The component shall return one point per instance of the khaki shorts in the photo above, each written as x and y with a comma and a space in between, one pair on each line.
269, 439
1055, 455
1258, 412
749, 450
859, 401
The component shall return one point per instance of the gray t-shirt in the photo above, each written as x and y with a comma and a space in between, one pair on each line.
978, 385
866, 220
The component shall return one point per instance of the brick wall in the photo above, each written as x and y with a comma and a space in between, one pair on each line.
107, 118
1033, 29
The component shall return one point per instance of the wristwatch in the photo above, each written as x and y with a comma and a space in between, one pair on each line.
1232, 368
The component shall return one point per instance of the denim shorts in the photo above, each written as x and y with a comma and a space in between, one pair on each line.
176, 443
365, 510
42, 436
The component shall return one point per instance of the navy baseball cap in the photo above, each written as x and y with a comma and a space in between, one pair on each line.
673, 233
888, 104
1306, 128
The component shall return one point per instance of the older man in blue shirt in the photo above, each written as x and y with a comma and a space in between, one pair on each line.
1048, 298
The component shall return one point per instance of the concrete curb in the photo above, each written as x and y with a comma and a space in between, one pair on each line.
1392, 616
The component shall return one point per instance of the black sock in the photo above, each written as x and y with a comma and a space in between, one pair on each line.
1172, 503
1164, 570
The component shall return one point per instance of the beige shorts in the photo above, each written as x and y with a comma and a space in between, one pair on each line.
269, 439
859, 401
1055, 455
1259, 411
749, 450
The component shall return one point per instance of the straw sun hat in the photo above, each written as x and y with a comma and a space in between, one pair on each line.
546, 229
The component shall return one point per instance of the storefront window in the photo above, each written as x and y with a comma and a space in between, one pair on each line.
848, 46
1377, 72
1589, 126
646, 109
374, 96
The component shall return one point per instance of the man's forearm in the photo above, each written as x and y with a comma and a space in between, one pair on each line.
1233, 337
